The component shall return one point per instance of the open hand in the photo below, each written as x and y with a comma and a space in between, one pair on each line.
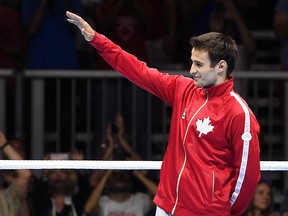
85, 28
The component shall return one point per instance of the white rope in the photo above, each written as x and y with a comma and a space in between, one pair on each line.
117, 165
79, 164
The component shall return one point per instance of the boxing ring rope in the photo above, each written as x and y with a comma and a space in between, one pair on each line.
104, 164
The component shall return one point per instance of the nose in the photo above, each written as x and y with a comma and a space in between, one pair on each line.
192, 69
267, 196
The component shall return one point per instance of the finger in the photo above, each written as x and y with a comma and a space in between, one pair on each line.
71, 21
74, 16
70, 14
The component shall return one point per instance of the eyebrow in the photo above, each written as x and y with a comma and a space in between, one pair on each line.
196, 61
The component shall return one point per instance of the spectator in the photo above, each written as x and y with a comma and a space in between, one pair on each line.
161, 32
60, 192
226, 19
120, 198
43, 20
281, 30
20, 146
219, 16
12, 40
122, 150
12, 47
187, 13
114, 147
262, 202
13, 197
123, 195
125, 21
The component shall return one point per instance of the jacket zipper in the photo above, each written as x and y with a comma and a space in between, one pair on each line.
185, 153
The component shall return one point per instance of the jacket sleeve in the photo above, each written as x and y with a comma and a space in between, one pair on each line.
244, 135
160, 84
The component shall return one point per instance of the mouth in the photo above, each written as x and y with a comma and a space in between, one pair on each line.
195, 75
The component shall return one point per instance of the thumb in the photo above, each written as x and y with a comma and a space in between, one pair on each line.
83, 31
88, 36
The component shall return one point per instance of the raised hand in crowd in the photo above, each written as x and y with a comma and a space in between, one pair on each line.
115, 194
18, 183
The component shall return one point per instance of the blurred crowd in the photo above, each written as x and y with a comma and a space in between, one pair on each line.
77, 192
157, 32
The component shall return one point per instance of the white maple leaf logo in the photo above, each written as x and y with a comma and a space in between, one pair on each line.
204, 126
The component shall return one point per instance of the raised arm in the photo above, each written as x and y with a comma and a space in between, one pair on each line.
163, 85
92, 203
150, 185
23, 175
119, 122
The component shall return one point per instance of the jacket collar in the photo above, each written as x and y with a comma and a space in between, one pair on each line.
221, 89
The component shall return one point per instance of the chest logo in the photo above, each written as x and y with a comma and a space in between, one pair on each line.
184, 114
204, 126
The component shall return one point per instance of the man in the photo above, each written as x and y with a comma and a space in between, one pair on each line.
60, 192
13, 198
211, 165
120, 197
61, 186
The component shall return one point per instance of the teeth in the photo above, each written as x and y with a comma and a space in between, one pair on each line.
194, 75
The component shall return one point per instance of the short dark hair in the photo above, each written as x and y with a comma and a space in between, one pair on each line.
218, 46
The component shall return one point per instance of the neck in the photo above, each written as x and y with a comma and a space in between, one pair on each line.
59, 202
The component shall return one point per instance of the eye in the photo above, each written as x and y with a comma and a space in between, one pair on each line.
198, 64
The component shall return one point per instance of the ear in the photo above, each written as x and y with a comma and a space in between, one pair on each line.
222, 68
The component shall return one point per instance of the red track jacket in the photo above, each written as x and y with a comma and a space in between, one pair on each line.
211, 166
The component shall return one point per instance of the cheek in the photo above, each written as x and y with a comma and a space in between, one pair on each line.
256, 200
261, 202
212, 75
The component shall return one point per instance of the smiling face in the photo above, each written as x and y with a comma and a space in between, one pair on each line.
204, 74
262, 197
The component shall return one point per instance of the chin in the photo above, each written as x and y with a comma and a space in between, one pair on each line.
198, 84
